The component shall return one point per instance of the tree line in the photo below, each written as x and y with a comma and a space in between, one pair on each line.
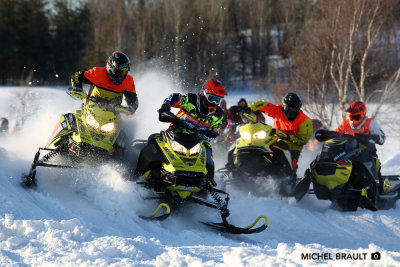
329, 50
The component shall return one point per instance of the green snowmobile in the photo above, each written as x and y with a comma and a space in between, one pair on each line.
173, 166
89, 136
347, 174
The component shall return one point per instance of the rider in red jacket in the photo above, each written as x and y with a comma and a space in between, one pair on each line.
110, 83
359, 123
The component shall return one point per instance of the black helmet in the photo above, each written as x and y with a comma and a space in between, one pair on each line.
118, 66
291, 105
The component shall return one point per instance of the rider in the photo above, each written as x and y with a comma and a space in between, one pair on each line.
200, 112
359, 123
110, 83
289, 119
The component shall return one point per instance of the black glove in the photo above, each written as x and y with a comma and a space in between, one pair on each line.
376, 139
164, 108
366, 138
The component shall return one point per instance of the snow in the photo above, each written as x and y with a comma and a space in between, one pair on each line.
90, 217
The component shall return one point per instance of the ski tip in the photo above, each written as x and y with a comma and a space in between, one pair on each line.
161, 217
225, 227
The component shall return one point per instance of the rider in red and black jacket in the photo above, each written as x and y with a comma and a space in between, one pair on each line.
109, 83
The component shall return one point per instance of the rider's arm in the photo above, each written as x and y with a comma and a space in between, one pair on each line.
132, 100
130, 95
266, 107
304, 134
174, 100
78, 79
215, 125
374, 129
341, 128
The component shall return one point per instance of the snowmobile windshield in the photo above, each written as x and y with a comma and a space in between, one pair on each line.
187, 138
335, 148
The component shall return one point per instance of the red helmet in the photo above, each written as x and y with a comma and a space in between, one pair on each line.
211, 95
357, 111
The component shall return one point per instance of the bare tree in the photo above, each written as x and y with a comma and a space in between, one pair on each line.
337, 52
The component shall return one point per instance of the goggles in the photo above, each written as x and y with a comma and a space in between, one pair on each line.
291, 109
355, 117
121, 71
213, 99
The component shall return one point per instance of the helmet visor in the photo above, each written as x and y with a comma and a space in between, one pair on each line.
121, 71
355, 117
291, 109
213, 99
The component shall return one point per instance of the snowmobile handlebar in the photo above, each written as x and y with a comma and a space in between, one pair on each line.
165, 115
322, 135
279, 134
110, 106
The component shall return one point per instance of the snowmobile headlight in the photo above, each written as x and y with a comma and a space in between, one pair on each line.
91, 121
108, 128
260, 135
195, 149
178, 147
245, 135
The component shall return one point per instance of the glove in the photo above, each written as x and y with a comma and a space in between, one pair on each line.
130, 109
75, 89
282, 135
376, 139
363, 138
164, 108
257, 105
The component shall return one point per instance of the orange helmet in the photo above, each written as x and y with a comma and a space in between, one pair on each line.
357, 111
211, 95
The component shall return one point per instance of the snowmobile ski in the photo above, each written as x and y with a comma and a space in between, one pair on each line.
226, 227
159, 217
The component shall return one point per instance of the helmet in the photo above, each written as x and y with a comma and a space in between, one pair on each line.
291, 104
242, 100
357, 111
118, 66
211, 95
4, 124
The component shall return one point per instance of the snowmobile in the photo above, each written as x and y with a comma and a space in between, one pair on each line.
89, 136
347, 174
173, 166
258, 156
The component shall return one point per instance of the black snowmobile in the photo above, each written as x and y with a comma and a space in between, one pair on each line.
346, 173
173, 166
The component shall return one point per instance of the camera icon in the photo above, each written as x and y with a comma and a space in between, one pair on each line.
375, 256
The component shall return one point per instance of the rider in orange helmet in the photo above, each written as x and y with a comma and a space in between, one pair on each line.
199, 111
359, 123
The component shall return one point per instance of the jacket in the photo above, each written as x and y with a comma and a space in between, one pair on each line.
299, 130
101, 87
189, 105
367, 126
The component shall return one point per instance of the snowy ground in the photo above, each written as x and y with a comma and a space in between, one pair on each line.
90, 218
